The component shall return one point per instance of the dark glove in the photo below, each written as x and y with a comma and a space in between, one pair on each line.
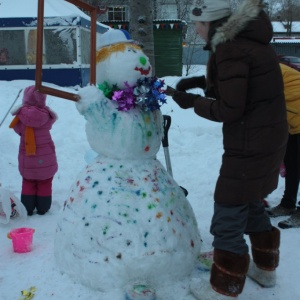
184, 100
190, 83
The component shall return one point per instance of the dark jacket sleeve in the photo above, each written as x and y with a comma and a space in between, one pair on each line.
231, 92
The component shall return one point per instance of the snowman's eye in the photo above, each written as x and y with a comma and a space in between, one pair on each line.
132, 50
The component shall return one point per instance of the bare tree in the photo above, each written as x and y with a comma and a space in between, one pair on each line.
272, 8
157, 8
191, 50
141, 27
183, 8
288, 13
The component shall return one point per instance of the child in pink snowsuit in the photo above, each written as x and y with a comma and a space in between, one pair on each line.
37, 157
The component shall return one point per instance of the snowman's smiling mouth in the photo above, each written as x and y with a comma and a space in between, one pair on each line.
142, 71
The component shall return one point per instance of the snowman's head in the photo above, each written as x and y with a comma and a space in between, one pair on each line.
120, 60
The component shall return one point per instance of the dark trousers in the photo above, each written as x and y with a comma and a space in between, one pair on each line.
292, 166
230, 223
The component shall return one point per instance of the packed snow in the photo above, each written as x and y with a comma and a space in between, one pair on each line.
132, 220
195, 148
52, 8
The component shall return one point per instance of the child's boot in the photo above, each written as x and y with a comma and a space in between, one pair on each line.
265, 252
43, 204
29, 202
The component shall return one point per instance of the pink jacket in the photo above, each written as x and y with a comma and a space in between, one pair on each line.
43, 164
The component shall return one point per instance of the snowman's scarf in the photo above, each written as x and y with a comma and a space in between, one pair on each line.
147, 94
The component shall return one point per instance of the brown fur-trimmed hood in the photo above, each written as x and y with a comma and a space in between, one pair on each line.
248, 11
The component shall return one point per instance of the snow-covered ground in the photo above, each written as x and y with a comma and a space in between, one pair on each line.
195, 147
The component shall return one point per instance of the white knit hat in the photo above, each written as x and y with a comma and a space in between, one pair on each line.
210, 10
114, 36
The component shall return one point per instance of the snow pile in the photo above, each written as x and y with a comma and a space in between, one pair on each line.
126, 221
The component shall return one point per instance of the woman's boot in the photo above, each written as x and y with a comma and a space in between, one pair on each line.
265, 253
227, 277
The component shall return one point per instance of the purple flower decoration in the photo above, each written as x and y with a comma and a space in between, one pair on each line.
147, 94
125, 98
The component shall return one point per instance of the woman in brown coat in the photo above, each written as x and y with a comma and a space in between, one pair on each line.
245, 90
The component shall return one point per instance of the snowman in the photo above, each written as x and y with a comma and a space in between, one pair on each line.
126, 225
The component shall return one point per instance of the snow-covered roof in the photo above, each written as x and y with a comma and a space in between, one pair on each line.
29, 9
285, 40
22, 13
279, 26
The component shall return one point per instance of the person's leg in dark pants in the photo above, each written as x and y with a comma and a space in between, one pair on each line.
231, 258
265, 241
292, 186
230, 255
292, 165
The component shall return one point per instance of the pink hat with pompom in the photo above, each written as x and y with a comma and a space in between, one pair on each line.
33, 97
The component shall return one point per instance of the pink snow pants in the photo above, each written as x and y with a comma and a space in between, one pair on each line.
37, 187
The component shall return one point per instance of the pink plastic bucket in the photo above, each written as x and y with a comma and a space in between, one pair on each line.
22, 239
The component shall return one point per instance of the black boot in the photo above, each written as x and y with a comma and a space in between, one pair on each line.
29, 201
43, 204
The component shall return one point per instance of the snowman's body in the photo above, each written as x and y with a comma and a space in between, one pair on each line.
126, 221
